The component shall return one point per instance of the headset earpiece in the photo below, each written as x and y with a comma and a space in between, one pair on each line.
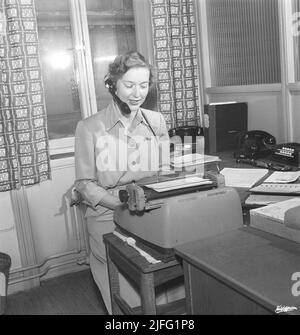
109, 84
112, 90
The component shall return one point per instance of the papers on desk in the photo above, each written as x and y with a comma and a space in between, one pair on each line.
281, 219
276, 211
266, 199
178, 183
193, 159
283, 177
242, 177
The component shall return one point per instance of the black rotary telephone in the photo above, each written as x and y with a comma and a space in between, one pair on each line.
255, 144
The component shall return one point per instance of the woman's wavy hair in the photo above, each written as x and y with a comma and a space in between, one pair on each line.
125, 62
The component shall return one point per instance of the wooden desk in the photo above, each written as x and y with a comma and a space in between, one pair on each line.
245, 271
121, 257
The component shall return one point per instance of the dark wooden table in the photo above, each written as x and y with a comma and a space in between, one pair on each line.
123, 258
246, 271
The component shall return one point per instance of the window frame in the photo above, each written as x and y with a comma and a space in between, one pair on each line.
83, 61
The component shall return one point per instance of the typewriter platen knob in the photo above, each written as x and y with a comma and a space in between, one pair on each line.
123, 196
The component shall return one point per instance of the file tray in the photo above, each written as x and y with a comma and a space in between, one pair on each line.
277, 188
280, 219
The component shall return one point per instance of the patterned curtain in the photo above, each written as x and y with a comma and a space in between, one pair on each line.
24, 155
175, 55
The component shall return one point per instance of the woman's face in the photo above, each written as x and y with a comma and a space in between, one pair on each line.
133, 87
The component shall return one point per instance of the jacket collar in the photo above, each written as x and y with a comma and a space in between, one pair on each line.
113, 116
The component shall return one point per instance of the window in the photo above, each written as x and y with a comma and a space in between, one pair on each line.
111, 32
72, 35
58, 67
243, 39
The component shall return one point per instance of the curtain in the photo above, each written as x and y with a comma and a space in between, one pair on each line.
175, 56
24, 154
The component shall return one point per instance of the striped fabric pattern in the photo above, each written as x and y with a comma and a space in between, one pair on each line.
24, 154
174, 42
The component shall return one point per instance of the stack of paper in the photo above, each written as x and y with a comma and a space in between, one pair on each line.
193, 159
283, 177
242, 177
276, 211
266, 199
272, 219
178, 183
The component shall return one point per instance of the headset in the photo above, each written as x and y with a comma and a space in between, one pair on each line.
122, 105
112, 90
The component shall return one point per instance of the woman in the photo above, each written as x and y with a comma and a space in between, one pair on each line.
112, 148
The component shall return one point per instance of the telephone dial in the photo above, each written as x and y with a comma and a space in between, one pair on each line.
255, 144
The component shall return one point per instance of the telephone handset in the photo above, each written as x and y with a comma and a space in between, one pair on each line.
255, 144
111, 88
122, 105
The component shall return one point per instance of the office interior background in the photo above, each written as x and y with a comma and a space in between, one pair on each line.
244, 51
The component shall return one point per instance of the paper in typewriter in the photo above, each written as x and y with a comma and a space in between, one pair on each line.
178, 183
193, 159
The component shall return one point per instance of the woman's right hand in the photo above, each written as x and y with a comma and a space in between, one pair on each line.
110, 201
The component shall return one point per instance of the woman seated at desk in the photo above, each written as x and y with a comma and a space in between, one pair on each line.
112, 148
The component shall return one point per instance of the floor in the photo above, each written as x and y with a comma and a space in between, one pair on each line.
71, 294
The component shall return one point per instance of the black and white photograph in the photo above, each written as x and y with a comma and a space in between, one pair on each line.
149, 160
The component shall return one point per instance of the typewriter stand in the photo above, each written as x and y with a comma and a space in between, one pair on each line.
123, 258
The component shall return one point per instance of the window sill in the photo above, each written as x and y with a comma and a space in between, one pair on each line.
63, 146
294, 87
245, 89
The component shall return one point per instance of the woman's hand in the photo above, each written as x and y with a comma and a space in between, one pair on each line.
110, 201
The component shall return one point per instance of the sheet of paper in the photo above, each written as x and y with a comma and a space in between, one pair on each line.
283, 177
193, 159
277, 211
178, 183
266, 199
242, 177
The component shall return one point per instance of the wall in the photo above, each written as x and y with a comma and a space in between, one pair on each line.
8, 233
295, 115
57, 228
271, 107
264, 106
44, 236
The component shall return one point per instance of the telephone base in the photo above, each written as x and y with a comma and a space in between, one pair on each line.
253, 155
266, 164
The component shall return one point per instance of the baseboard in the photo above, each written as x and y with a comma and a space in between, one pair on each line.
60, 265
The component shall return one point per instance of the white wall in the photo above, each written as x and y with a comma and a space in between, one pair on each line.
50, 216
43, 235
295, 118
57, 230
8, 234
264, 106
